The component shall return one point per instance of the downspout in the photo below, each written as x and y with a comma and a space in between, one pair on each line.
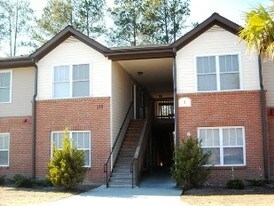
34, 121
263, 117
175, 98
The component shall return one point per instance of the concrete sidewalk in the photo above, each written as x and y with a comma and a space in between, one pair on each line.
124, 196
157, 189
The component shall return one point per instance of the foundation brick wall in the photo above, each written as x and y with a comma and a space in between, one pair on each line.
20, 153
218, 109
91, 114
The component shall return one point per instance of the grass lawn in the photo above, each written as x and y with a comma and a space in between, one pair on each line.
11, 196
222, 196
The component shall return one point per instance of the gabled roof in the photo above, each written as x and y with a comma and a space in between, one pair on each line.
214, 19
126, 53
62, 36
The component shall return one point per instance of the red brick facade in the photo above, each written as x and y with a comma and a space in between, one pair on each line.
92, 114
20, 152
227, 109
271, 141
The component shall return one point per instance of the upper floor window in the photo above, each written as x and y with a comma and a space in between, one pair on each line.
4, 149
80, 140
71, 81
5, 87
226, 144
215, 73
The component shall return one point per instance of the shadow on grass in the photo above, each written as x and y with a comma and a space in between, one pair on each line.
80, 189
211, 191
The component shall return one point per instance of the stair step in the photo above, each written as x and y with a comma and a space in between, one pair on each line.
121, 175
116, 176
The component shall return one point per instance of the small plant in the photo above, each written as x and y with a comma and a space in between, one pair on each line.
22, 181
2, 179
257, 182
189, 170
42, 182
66, 167
235, 184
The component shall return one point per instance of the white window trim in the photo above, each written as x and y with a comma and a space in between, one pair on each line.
6, 149
221, 144
70, 135
218, 72
70, 81
11, 74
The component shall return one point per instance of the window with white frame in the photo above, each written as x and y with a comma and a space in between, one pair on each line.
71, 81
5, 87
80, 140
217, 73
226, 144
4, 149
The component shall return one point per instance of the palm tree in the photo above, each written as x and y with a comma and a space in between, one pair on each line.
258, 34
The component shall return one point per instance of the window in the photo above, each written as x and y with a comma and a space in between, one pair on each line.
80, 140
5, 87
215, 73
71, 81
226, 144
4, 149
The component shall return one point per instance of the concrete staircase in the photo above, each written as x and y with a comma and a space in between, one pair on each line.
121, 175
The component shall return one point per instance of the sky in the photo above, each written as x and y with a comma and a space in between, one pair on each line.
199, 9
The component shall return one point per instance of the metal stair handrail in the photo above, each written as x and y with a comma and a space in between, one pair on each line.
136, 165
118, 142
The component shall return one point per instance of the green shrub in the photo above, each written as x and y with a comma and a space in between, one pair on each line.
22, 181
257, 182
2, 179
66, 167
189, 170
235, 184
42, 182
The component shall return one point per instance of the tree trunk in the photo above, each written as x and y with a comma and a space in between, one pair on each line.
10, 33
16, 29
166, 26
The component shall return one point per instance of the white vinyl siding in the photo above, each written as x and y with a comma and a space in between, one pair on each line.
71, 81
80, 140
74, 52
22, 86
268, 73
216, 73
226, 144
121, 97
4, 149
5, 86
215, 42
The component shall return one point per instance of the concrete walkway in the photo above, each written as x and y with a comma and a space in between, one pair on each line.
156, 190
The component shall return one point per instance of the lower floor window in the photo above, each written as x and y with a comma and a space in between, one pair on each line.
4, 149
80, 140
226, 144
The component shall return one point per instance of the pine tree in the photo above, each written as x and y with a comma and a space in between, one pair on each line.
87, 16
166, 20
127, 17
189, 169
16, 18
147, 21
66, 167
